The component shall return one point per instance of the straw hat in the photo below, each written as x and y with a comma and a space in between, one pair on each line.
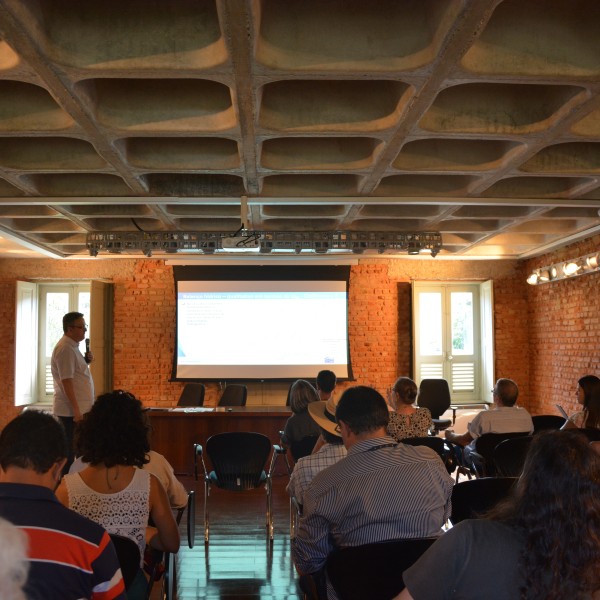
323, 414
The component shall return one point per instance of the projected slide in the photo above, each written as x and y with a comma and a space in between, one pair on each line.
261, 329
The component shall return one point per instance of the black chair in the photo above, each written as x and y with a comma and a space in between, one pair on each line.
239, 460
192, 395
438, 445
373, 571
482, 459
303, 447
472, 498
593, 435
434, 394
128, 554
234, 395
509, 456
543, 422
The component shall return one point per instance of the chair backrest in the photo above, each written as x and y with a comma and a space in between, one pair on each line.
192, 395
509, 456
303, 447
485, 444
238, 459
592, 434
435, 443
128, 554
434, 394
476, 496
438, 445
234, 394
373, 571
542, 422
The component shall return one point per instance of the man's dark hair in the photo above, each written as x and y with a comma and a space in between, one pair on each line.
331, 438
33, 440
114, 432
363, 409
326, 381
508, 391
69, 319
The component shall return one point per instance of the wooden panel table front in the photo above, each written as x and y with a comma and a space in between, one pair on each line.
174, 432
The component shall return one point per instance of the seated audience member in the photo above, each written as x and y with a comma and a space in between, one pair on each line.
300, 425
588, 395
157, 465
406, 420
113, 489
381, 491
13, 561
70, 557
326, 382
542, 542
505, 417
323, 413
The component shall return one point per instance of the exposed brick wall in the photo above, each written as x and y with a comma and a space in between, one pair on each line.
511, 332
379, 319
564, 331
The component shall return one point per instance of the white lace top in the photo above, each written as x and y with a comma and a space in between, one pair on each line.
124, 513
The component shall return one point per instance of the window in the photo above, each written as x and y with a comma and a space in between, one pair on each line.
55, 300
452, 337
40, 308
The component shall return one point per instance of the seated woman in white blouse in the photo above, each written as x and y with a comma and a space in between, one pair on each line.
113, 490
406, 420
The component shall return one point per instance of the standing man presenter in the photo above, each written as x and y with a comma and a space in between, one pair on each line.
73, 384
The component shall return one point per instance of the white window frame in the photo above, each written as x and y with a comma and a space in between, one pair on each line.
484, 373
30, 371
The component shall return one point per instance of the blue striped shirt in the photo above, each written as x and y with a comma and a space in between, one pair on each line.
380, 491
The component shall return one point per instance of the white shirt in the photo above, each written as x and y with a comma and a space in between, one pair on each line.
504, 419
68, 363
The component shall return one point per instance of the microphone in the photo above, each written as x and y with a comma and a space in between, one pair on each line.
87, 350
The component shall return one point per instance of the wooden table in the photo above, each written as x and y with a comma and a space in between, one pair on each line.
174, 432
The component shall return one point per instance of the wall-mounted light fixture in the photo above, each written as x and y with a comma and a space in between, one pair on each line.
566, 269
264, 242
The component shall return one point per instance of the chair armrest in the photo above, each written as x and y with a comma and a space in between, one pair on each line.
297, 506
198, 453
478, 463
277, 450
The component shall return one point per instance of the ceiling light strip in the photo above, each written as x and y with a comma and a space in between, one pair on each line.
567, 269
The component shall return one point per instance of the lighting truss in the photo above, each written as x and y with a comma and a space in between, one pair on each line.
209, 242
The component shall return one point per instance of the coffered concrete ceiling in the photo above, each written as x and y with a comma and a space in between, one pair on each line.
479, 119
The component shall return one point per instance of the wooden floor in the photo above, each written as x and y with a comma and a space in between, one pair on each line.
238, 562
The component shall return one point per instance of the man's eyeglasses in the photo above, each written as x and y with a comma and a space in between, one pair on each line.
79, 327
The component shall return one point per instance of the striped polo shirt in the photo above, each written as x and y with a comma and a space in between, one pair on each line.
70, 557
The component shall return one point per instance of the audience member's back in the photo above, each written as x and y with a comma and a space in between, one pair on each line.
70, 556
112, 489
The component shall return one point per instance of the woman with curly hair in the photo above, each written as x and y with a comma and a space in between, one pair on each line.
588, 395
113, 490
541, 542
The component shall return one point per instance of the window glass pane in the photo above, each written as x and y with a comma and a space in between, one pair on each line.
430, 324
461, 308
57, 305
